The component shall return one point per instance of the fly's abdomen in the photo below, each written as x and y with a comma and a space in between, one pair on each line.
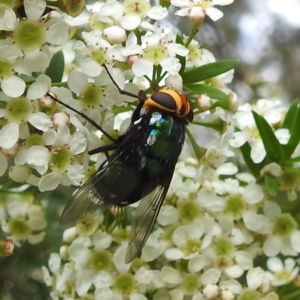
118, 182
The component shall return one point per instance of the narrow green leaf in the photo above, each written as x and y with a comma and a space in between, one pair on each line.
56, 68
217, 124
272, 146
179, 39
295, 159
208, 71
204, 89
199, 151
288, 120
272, 185
294, 125
182, 59
27, 79
253, 167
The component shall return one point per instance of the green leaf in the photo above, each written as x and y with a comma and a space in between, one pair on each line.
290, 115
56, 68
204, 89
217, 124
293, 124
182, 59
273, 148
272, 185
199, 151
253, 167
27, 79
295, 159
208, 71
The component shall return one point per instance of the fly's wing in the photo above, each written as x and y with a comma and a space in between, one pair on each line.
82, 202
145, 217
85, 199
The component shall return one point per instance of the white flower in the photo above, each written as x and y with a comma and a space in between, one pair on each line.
197, 263
214, 13
35, 54
146, 277
181, 236
23, 220
9, 135
281, 273
198, 56
210, 276
8, 19
168, 215
13, 86
158, 49
272, 111
258, 278
229, 288
153, 248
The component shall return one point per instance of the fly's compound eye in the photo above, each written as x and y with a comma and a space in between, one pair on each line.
164, 100
172, 102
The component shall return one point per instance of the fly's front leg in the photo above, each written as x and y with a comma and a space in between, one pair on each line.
137, 112
141, 96
104, 149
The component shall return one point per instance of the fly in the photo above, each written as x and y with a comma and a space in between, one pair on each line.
142, 164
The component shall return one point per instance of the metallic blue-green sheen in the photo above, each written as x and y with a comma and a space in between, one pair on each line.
167, 135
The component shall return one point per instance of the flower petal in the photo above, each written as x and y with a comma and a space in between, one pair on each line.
13, 86
9, 135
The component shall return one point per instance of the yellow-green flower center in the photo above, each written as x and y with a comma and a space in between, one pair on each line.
87, 226
192, 246
223, 246
30, 35
18, 110
124, 284
155, 54
235, 206
136, 7
100, 260
188, 211
6, 70
284, 225
91, 96
19, 228
190, 283
61, 158
289, 180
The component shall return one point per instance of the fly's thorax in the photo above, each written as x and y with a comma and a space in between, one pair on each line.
166, 138
171, 102
164, 143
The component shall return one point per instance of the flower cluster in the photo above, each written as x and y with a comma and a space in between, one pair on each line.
205, 241
24, 46
21, 219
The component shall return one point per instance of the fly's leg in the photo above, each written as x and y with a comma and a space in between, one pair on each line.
104, 149
141, 96
83, 116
